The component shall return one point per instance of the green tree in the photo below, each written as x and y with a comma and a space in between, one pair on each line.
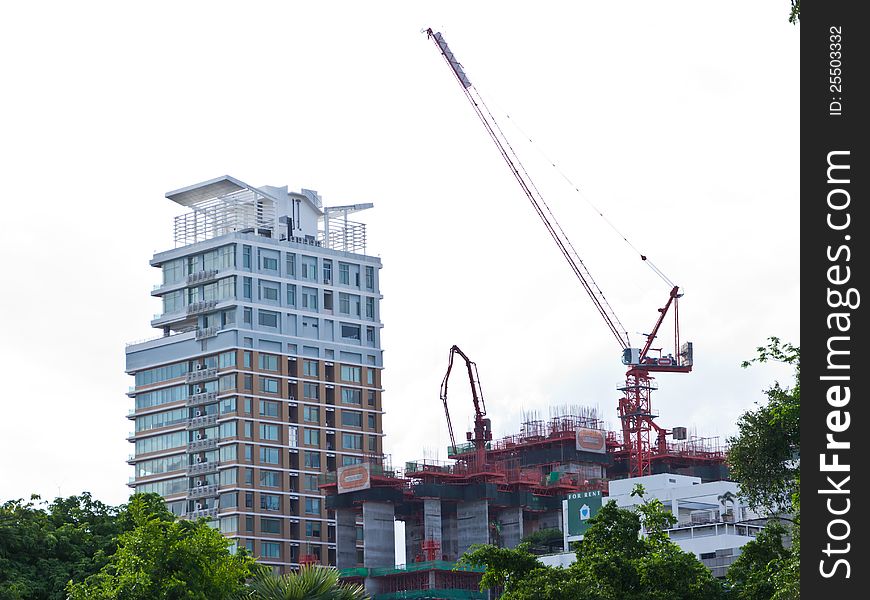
614, 562
795, 14
45, 545
311, 582
764, 457
162, 558
544, 541
751, 576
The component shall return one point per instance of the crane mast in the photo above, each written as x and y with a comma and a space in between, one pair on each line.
635, 410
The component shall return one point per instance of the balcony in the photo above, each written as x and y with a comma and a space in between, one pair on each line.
201, 276
201, 374
202, 491
197, 514
204, 421
201, 468
200, 445
203, 398
200, 307
208, 332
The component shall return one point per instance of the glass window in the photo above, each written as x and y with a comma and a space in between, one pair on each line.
270, 550
246, 257
372, 421
249, 429
349, 373
310, 368
290, 265
269, 432
249, 453
227, 359
373, 444
311, 414
247, 286
269, 456
160, 374
370, 376
327, 271
173, 271
228, 453
268, 525
291, 295
310, 391
370, 308
270, 479
269, 385
309, 298
268, 362
229, 524
230, 500
267, 318
352, 441
228, 476
269, 263
269, 291
228, 429
173, 302
350, 331
269, 409
344, 273
311, 437
312, 528
247, 357
247, 315
270, 502
310, 482
228, 405
312, 506
312, 460
351, 418
351, 396
309, 268
370, 278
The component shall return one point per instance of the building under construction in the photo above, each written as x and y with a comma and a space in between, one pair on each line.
515, 489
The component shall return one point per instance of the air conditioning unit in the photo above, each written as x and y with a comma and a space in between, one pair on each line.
198, 366
198, 412
198, 458
199, 435
199, 506
199, 483
198, 389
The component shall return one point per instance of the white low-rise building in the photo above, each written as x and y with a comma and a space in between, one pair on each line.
713, 522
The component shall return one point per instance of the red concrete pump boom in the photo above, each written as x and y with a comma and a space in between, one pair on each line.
482, 429
634, 408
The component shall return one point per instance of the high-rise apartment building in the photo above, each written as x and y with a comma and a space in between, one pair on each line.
268, 372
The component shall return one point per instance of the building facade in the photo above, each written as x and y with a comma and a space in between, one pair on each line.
268, 370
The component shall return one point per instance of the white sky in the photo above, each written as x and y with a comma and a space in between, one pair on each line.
678, 119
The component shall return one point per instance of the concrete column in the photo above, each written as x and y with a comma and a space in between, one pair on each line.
413, 539
345, 538
432, 520
379, 527
472, 524
511, 523
449, 540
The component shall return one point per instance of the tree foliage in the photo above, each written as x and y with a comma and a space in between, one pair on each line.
544, 541
614, 562
311, 582
764, 455
751, 576
45, 545
795, 14
162, 558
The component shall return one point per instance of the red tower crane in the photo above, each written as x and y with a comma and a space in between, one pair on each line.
482, 427
635, 410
